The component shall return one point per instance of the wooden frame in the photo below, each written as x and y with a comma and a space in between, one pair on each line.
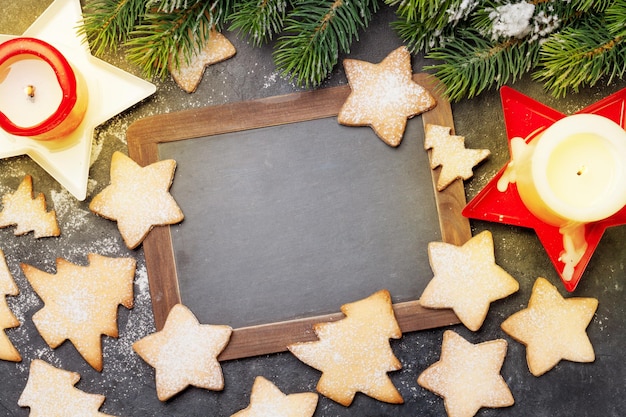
145, 135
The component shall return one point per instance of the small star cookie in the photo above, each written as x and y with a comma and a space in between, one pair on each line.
266, 400
384, 96
27, 213
354, 353
184, 353
189, 74
138, 198
552, 328
8, 352
81, 302
467, 376
50, 392
466, 279
449, 152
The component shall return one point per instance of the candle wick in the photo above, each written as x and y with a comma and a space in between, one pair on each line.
581, 170
30, 91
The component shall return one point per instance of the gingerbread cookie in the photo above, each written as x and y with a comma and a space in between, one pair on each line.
354, 354
27, 213
138, 198
467, 279
467, 376
266, 400
184, 353
552, 328
188, 73
449, 152
51, 392
384, 96
81, 302
8, 352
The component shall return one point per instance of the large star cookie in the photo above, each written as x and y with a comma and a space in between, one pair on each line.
449, 152
354, 353
50, 392
7, 318
466, 279
384, 95
27, 213
552, 328
467, 376
81, 302
138, 198
266, 400
188, 74
184, 353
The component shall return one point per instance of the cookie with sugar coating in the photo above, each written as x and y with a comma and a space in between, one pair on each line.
384, 96
266, 400
138, 198
552, 328
354, 354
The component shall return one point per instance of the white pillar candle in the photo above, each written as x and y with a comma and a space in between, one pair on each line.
575, 172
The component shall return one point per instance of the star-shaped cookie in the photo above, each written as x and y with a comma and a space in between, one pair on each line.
552, 328
266, 400
384, 95
467, 376
189, 74
138, 198
50, 392
449, 152
354, 353
184, 353
7, 318
467, 279
27, 213
81, 302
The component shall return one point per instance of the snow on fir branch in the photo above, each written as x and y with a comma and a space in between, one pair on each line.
476, 44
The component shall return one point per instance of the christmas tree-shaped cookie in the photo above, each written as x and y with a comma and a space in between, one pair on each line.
266, 400
354, 353
7, 318
50, 392
81, 302
27, 213
449, 152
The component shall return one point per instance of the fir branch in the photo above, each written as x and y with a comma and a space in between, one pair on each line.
316, 32
107, 23
259, 20
581, 56
163, 36
470, 64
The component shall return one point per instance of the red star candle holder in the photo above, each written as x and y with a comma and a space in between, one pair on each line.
526, 118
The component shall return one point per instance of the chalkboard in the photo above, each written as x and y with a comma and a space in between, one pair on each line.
289, 215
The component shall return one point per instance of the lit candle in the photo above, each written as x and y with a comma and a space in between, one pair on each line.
571, 174
41, 95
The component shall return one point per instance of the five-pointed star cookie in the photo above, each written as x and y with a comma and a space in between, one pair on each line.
184, 353
81, 302
50, 392
467, 376
266, 400
449, 152
354, 353
27, 213
188, 74
553, 328
138, 198
384, 95
8, 352
466, 279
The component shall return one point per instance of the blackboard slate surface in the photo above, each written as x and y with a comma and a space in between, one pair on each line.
294, 220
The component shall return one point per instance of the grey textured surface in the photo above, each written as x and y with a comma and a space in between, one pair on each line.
128, 383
